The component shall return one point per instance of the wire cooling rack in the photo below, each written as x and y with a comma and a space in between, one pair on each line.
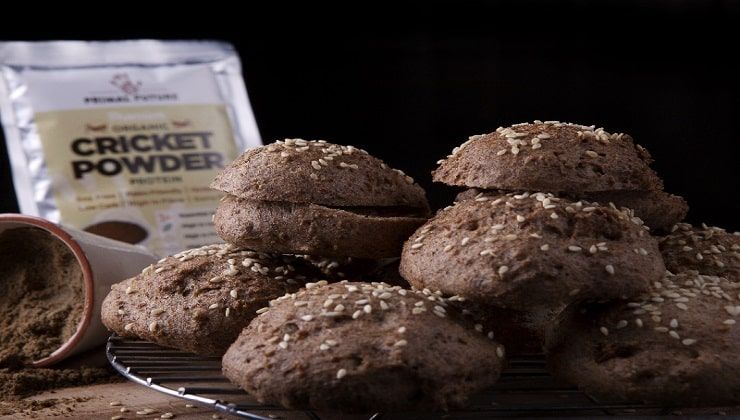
524, 390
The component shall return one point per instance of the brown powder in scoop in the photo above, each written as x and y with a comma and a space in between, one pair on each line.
41, 298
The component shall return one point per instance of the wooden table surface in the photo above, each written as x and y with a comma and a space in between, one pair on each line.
93, 402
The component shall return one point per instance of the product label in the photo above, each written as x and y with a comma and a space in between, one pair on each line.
138, 174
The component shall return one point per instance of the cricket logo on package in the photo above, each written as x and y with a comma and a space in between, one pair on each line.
123, 138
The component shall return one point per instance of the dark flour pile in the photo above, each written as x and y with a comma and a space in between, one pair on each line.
40, 295
41, 303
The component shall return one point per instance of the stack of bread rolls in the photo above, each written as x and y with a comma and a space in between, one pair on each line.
553, 244
300, 220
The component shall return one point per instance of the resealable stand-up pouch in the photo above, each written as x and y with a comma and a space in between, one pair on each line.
122, 138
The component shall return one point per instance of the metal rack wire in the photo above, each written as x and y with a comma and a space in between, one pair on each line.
525, 389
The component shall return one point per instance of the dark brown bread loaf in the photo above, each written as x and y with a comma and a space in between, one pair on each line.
708, 250
199, 300
551, 156
312, 229
362, 347
301, 171
526, 251
677, 345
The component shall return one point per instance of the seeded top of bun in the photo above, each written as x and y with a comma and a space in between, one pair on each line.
522, 251
301, 171
200, 299
549, 156
361, 347
679, 342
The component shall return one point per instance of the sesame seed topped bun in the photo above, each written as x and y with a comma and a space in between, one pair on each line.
359, 347
302, 171
549, 156
317, 198
677, 344
200, 299
525, 251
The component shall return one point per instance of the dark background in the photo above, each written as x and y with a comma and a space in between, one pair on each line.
408, 84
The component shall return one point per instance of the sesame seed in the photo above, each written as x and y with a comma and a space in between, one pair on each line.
621, 324
447, 248
356, 314
167, 415
520, 218
574, 292
638, 322
129, 290
574, 248
367, 309
115, 403
490, 335
500, 352
400, 343
464, 241
315, 165
604, 330
307, 318
262, 310
609, 269
128, 326
233, 293
661, 329
682, 306
674, 334
699, 257
674, 323
688, 341
341, 373
324, 347
283, 345
213, 306
118, 417
503, 269
553, 216
152, 326
501, 152
545, 247
417, 311
733, 310
729, 322
588, 209
592, 153
121, 312
158, 311
643, 251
